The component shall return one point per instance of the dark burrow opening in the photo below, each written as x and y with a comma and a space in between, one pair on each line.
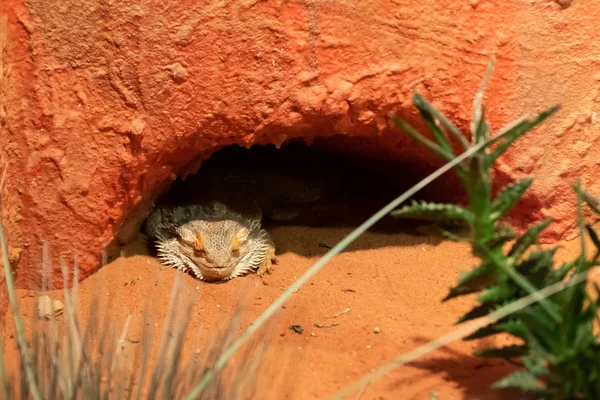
312, 186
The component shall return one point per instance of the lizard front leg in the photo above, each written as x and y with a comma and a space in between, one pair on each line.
270, 259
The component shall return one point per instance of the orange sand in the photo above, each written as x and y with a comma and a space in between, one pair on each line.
393, 281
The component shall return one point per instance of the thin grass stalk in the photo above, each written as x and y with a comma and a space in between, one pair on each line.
476, 133
580, 226
146, 339
180, 329
158, 370
52, 335
72, 339
35, 350
132, 374
43, 374
122, 351
86, 359
23, 392
462, 332
276, 305
109, 364
3, 374
54, 378
191, 370
18, 319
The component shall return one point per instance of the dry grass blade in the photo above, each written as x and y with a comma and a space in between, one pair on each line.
94, 361
157, 374
145, 352
478, 111
18, 319
3, 374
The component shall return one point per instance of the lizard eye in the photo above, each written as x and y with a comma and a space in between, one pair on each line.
198, 245
236, 243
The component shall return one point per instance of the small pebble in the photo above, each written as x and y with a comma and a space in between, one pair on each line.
46, 307
282, 334
313, 334
377, 330
369, 346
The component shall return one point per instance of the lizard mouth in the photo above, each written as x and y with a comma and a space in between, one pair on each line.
216, 272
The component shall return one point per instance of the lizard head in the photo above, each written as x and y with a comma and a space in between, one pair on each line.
215, 247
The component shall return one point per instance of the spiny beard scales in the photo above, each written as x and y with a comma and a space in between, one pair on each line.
163, 221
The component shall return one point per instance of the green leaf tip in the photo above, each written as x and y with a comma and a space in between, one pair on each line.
508, 197
433, 212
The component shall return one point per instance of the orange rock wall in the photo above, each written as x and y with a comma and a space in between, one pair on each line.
104, 103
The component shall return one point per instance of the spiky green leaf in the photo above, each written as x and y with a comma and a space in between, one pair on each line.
436, 132
508, 197
535, 362
421, 103
528, 238
518, 130
515, 327
538, 267
503, 352
454, 237
497, 294
593, 236
540, 326
500, 237
434, 212
413, 133
523, 380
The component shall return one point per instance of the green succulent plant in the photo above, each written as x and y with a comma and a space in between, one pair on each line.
559, 351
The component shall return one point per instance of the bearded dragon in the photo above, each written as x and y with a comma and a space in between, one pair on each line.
212, 241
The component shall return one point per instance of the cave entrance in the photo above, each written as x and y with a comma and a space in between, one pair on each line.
315, 187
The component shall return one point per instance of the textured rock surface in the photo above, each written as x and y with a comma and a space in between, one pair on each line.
103, 103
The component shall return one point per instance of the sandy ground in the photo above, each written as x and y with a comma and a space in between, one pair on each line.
393, 281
